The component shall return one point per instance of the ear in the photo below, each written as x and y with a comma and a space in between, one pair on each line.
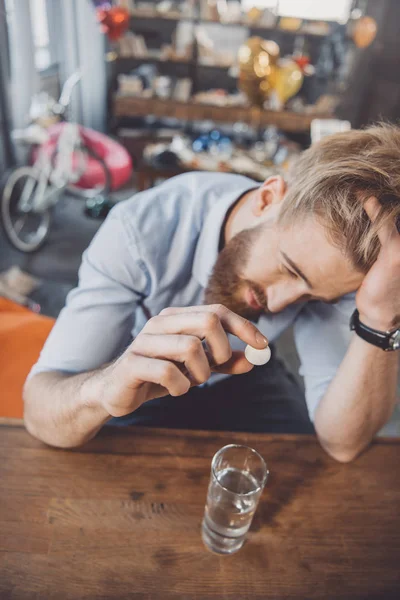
372, 208
271, 192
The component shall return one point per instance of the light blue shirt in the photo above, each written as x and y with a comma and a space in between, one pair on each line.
157, 250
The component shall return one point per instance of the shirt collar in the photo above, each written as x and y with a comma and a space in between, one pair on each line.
208, 243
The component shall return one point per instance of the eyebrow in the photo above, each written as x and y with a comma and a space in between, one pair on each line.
296, 269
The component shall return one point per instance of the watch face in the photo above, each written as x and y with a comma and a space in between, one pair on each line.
395, 340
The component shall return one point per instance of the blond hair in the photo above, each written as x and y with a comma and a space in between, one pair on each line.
332, 180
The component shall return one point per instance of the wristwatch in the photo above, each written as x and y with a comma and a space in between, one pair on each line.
386, 340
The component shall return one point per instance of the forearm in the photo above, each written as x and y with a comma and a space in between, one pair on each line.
359, 400
63, 410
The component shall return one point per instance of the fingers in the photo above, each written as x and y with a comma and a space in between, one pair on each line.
143, 369
241, 327
231, 322
176, 334
387, 230
203, 325
236, 365
185, 349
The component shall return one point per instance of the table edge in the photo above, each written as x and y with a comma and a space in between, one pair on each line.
201, 433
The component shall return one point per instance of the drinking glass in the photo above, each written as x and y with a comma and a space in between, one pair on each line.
238, 477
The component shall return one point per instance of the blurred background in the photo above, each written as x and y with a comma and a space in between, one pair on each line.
99, 100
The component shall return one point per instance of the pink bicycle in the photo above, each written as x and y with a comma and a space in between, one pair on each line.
64, 156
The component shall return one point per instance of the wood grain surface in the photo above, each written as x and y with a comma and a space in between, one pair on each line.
120, 518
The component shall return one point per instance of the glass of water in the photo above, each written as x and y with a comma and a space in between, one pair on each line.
238, 477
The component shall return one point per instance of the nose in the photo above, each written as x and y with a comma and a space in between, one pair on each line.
282, 295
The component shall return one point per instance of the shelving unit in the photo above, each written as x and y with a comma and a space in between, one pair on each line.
174, 45
158, 29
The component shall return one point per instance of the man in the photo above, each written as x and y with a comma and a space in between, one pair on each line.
188, 268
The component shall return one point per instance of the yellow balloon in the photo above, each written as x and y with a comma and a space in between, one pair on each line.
287, 80
257, 60
257, 55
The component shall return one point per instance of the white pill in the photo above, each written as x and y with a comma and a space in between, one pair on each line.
257, 357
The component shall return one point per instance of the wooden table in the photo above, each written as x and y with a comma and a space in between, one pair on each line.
120, 518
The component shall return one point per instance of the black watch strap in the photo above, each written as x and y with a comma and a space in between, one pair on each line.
386, 340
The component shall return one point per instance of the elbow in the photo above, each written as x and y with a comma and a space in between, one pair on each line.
342, 444
342, 455
37, 432
340, 450
33, 423
29, 419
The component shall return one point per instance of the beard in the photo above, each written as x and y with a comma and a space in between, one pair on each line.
227, 284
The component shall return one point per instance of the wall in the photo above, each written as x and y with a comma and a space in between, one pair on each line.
6, 153
82, 45
373, 90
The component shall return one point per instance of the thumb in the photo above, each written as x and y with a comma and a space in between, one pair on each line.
236, 365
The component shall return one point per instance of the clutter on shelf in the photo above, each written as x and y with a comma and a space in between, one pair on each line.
180, 49
145, 82
217, 151
227, 61
220, 97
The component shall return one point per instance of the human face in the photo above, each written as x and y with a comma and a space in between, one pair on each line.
266, 268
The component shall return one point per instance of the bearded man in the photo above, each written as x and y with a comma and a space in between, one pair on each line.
180, 277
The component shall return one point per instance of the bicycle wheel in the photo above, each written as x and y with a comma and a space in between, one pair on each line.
27, 230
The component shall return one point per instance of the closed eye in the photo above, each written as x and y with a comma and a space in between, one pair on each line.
291, 273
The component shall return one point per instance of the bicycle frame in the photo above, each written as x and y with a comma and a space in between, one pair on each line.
52, 180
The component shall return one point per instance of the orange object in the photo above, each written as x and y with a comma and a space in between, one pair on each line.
22, 335
114, 21
364, 32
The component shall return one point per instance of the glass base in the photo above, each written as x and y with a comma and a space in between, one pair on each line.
215, 542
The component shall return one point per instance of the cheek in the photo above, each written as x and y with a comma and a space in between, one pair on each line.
262, 268
262, 265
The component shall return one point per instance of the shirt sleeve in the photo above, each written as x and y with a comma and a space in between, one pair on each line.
96, 323
322, 335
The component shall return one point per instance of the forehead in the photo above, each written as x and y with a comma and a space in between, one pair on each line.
306, 237
307, 244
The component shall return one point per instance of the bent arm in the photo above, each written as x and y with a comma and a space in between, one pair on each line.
92, 330
350, 384
68, 410
359, 400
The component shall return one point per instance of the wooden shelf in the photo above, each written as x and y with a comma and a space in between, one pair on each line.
242, 23
155, 16
127, 60
132, 106
261, 28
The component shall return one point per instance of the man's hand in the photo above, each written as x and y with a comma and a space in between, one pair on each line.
168, 356
378, 298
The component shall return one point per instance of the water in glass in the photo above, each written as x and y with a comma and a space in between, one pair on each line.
231, 503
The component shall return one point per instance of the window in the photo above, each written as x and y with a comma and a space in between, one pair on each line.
325, 10
40, 29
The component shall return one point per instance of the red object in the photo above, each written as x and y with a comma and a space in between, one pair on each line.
115, 156
113, 21
302, 61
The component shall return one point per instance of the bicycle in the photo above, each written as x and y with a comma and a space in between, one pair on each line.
65, 156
